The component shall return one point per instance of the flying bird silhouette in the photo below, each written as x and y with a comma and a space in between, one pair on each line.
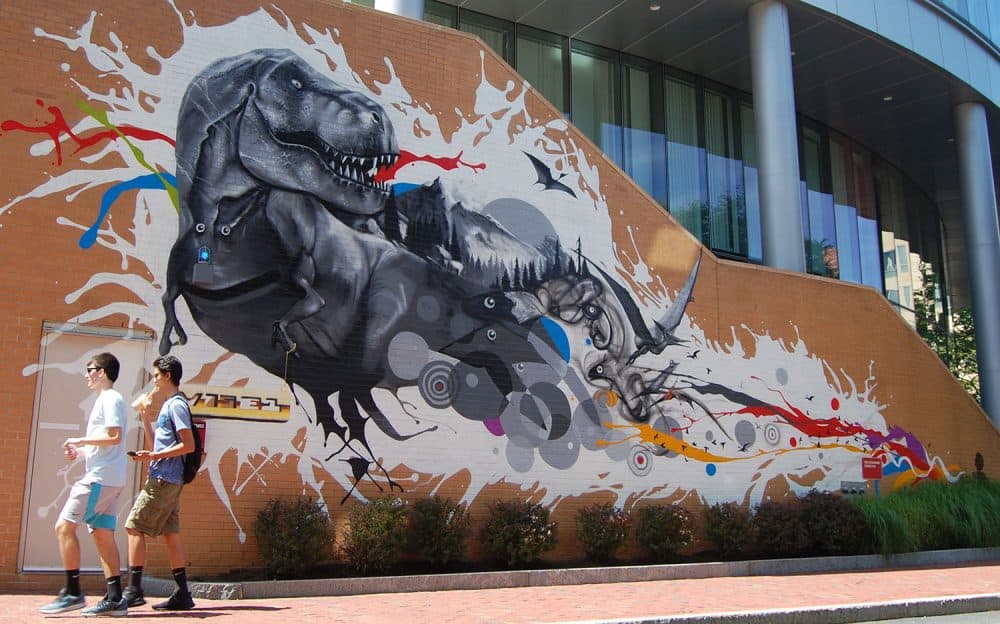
545, 176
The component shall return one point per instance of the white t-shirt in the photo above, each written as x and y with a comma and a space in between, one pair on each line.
106, 465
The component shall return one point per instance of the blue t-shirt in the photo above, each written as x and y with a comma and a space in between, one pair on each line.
170, 469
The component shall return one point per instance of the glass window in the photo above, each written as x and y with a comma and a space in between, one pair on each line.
440, 13
495, 33
819, 220
845, 210
594, 103
751, 186
644, 148
863, 185
727, 215
685, 174
541, 59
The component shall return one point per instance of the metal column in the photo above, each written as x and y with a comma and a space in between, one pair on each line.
777, 139
982, 239
414, 9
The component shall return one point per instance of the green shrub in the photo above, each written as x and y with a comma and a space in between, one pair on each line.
293, 535
438, 530
779, 529
935, 515
663, 530
376, 536
889, 529
727, 526
835, 525
602, 529
518, 532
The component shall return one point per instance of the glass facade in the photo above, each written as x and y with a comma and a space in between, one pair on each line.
691, 145
982, 15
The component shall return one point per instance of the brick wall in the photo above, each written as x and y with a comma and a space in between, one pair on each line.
851, 329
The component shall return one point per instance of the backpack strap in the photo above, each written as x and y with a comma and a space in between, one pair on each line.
173, 427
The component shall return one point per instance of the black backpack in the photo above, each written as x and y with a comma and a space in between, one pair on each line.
192, 461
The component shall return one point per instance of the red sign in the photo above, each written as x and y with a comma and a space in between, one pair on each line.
200, 427
871, 468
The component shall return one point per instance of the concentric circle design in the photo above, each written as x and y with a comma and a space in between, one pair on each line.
640, 461
438, 384
772, 435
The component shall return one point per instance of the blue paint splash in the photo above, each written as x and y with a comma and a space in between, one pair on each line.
558, 336
149, 181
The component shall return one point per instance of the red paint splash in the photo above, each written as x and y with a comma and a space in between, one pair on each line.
406, 158
835, 404
58, 126
837, 428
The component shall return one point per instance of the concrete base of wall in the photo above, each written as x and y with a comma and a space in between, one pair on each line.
567, 576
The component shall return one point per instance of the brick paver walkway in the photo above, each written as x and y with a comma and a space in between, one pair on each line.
574, 603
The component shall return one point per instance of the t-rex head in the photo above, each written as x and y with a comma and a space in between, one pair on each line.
297, 129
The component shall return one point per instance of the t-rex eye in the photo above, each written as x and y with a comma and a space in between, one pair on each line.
491, 334
599, 369
489, 303
296, 83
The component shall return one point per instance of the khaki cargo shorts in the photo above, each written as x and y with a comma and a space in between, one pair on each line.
157, 509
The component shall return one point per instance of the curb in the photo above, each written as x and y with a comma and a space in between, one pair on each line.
832, 614
614, 574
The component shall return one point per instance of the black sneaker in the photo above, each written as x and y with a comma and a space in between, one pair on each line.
178, 601
135, 597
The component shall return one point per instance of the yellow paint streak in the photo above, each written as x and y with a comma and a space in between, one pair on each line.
646, 433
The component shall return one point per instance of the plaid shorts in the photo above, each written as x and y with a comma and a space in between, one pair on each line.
157, 509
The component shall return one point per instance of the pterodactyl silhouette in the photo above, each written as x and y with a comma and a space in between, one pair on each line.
652, 339
545, 178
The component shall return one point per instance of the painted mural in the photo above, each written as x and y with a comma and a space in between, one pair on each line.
431, 303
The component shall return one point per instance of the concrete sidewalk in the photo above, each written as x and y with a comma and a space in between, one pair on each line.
816, 598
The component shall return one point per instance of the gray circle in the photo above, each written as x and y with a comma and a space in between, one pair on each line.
667, 426
560, 454
428, 308
520, 459
772, 435
745, 433
709, 435
587, 419
557, 407
438, 384
477, 397
521, 219
640, 460
616, 449
461, 325
525, 420
782, 376
407, 355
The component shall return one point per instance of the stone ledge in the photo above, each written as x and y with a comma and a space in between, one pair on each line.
567, 576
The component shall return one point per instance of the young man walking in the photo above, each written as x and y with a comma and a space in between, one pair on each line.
157, 508
93, 499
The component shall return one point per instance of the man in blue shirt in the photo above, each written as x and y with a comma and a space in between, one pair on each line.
157, 508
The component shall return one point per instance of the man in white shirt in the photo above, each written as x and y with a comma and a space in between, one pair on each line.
93, 500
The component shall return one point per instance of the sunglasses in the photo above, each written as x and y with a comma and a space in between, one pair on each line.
91, 369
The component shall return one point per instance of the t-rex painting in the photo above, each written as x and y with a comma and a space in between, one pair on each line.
292, 254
